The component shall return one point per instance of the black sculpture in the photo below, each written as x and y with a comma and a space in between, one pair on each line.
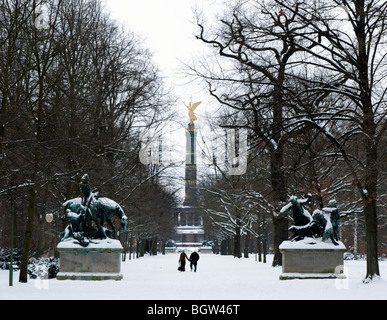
323, 223
301, 216
329, 219
87, 215
312, 229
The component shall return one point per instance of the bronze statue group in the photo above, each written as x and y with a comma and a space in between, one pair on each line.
87, 215
322, 223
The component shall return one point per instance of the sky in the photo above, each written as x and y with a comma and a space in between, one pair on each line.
169, 29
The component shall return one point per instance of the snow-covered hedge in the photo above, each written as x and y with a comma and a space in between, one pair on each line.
5, 257
43, 268
37, 267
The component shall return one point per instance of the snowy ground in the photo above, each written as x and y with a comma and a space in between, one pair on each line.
218, 278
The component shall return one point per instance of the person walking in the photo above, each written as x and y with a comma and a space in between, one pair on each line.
182, 258
194, 258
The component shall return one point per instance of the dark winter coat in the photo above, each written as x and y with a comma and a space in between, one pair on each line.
182, 258
194, 257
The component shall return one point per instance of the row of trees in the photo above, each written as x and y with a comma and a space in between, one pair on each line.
307, 79
75, 91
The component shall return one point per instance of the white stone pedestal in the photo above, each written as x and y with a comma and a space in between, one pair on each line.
100, 260
312, 259
170, 250
205, 249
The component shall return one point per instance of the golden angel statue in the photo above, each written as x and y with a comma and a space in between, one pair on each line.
191, 108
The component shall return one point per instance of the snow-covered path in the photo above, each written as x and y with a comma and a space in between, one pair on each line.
218, 278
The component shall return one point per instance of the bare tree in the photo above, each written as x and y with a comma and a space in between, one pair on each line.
348, 39
75, 89
257, 51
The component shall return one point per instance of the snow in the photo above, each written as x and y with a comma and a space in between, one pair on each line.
311, 243
218, 278
105, 201
109, 203
301, 275
286, 207
70, 243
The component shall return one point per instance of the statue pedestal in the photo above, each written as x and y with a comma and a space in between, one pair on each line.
205, 249
170, 249
100, 260
312, 259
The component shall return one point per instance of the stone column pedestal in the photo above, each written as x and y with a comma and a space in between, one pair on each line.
312, 259
100, 260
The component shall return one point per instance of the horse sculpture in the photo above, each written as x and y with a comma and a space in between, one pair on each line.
106, 210
98, 211
88, 214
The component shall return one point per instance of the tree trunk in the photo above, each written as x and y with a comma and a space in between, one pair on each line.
33, 193
370, 211
28, 236
355, 238
237, 243
246, 247
259, 248
280, 222
163, 248
264, 247
280, 234
371, 241
229, 246
371, 150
